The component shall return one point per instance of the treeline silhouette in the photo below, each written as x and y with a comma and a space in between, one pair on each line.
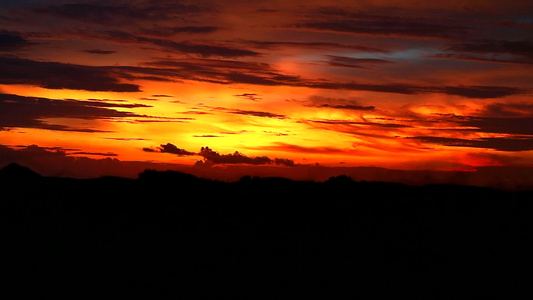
170, 229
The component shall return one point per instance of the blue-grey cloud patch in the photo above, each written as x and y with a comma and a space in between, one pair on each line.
355, 63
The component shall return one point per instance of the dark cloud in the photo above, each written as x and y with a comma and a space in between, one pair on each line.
249, 96
480, 92
28, 152
107, 100
500, 144
12, 40
395, 88
213, 157
255, 113
214, 67
517, 126
356, 63
262, 79
316, 45
337, 103
263, 114
203, 50
53, 75
346, 122
310, 150
99, 51
229, 72
155, 119
31, 112
162, 96
284, 162
170, 148
165, 31
70, 76
342, 21
52, 151
109, 154
495, 51
508, 110
522, 126
116, 12
267, 10
104, 104
523, 48
238, 158
207, 136
490, 59
345, 106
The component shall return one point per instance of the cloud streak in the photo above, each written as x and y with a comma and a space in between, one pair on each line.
354, 63
166, 31
120, 11
230, 72
201, 49
99, 51
500, 144
357, 23
53, 75
32, 112
523, 48
249, 96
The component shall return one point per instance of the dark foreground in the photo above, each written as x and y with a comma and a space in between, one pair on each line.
179, 235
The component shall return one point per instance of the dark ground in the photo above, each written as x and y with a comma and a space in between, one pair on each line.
178, 235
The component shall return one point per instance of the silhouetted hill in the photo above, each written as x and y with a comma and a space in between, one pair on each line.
14, 171
266, 233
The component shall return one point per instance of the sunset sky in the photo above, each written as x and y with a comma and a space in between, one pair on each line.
408, 85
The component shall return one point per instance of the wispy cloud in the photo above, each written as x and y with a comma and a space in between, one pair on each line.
500, 144
99, 51
54, 75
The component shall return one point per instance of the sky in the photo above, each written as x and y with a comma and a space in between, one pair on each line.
405, 85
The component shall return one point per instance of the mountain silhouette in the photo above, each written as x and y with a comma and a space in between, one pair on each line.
166, 228
15, 171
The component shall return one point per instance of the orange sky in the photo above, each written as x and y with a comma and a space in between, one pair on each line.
440, 86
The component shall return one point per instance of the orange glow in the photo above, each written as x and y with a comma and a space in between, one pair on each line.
297, 81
